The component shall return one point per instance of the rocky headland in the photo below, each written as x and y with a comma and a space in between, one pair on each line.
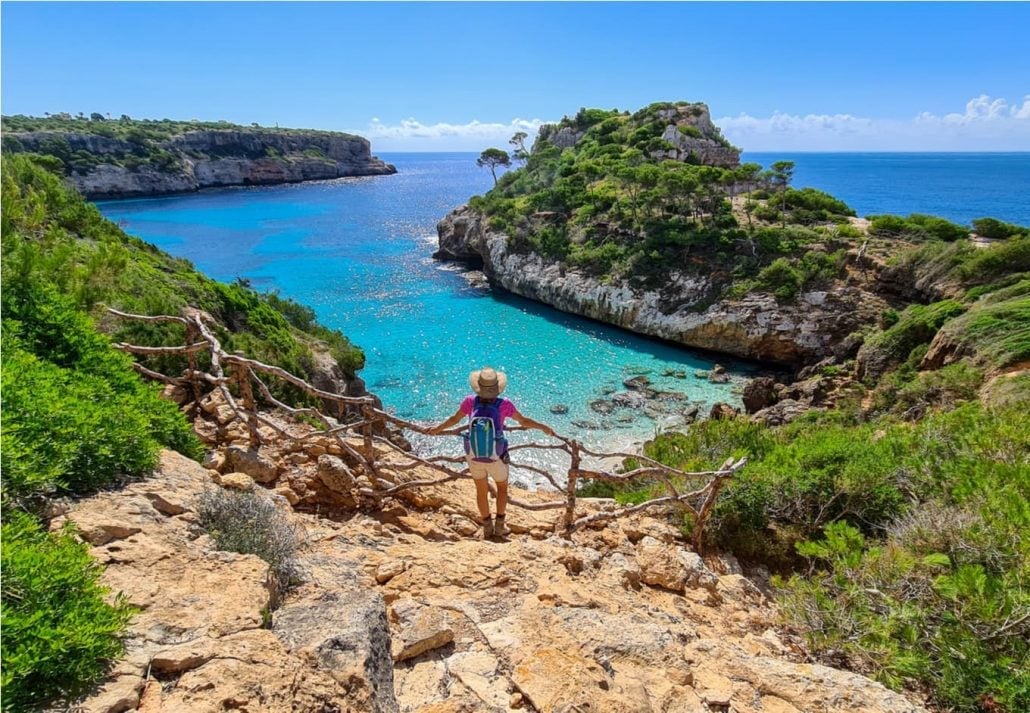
816, 325
205, 158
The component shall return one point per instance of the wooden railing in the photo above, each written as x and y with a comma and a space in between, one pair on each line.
362, 437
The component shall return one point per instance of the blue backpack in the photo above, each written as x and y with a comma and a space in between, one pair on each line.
485, 439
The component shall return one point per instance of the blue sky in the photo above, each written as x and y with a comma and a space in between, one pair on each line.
462, 76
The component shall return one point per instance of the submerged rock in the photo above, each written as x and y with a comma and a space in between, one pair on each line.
637, 383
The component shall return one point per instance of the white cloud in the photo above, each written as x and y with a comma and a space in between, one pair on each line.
412, 134
987, 124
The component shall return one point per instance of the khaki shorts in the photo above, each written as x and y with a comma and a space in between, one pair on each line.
496, 469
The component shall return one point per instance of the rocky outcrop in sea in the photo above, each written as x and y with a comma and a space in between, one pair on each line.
816, 325
212, 158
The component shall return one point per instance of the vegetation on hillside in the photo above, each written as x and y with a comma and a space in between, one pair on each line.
901, 516
614, 206
52, 236
59, 629
77, 417
145, 140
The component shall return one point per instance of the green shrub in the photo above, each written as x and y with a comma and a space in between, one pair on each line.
89, 259
781, 278
59, 633
76, 415
985, 264
917, 325
249, 523
916, 227
996, 329
945, 387
998, 230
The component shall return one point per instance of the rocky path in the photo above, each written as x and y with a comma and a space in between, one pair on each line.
407, 611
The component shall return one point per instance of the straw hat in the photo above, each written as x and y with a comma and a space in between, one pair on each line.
488, 383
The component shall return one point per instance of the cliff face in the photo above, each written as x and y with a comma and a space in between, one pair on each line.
816, 325
211, 158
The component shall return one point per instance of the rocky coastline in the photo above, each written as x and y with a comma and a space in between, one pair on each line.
210, 159
814, 327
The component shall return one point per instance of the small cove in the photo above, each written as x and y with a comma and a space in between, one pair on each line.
358, 252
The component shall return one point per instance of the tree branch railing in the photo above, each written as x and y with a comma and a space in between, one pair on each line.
382, 461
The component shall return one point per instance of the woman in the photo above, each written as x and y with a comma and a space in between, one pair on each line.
485, 444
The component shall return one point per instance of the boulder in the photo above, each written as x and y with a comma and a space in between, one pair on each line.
759, 393
722, 412
422, 629
258, 463
629, 399
780, 413
637, 383
671, 567
237, 481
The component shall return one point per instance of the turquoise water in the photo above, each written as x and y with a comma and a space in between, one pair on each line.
358, 251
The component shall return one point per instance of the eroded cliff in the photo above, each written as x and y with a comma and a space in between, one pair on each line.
815, 325
107, 167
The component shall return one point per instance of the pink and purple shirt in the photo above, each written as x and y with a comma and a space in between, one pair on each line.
507, 409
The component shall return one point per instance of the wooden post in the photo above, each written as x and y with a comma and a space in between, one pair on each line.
369, 447
191, 363
249, 404
570, 497
706, 508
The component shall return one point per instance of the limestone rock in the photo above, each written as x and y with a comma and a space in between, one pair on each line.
757, 326
388, 570
807, 687
237, 481
553, 680
117, 695
422, 629
781, 412
334, 474
759, 393
257, 463
672, 567
217, 157
722, 412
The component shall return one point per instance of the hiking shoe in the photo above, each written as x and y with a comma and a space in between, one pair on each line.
488, 529
501, 529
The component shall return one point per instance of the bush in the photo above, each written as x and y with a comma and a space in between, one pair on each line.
915, 326
249, 523
939, 601
998, 230
781, 278
916, 227
59, 633
76, 416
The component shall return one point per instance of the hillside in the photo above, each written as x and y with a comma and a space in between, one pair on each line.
127, 157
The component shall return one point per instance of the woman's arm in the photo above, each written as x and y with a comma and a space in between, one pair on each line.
453, 420
527, 422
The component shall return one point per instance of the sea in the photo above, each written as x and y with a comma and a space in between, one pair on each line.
358, 251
